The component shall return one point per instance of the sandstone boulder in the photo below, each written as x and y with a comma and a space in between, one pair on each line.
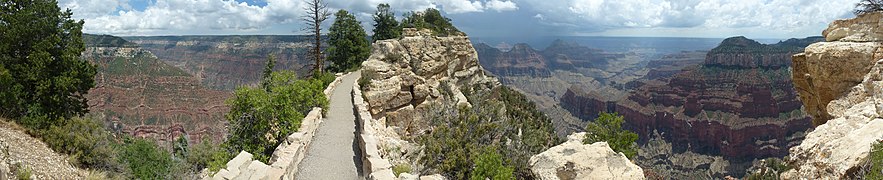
575, 160
827, 70
841, 81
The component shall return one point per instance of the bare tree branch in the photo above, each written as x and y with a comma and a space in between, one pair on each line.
317, 12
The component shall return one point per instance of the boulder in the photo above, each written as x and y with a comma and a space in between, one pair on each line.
827, 70
575, 160
841, 81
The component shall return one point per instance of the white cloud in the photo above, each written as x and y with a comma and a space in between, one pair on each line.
784, 15
460, 6
229, 16
500, 6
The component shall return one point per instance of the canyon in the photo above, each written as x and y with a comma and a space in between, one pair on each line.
167, 87
724, 107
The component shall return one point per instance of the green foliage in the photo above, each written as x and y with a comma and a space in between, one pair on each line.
40, 48
499, 119
202, 155
324, 78
873, 168
608, 127
385, 24
22, 172
86, 141
261, 118
401, 168
145, 159
430, 19
769, 170
489, 164
268, 70
348, 43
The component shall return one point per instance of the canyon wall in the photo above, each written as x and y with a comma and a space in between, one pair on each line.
739, 103
140, 95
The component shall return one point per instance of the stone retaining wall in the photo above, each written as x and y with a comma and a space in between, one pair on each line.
286, 157
373, 165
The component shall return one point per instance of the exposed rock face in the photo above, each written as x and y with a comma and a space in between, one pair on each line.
840, 80
140, 95
575, 160
739, 104
408, 75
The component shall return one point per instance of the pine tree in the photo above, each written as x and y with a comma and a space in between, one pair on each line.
385, 24
41, 73
348, 43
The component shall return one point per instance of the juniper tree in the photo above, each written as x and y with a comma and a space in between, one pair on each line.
41, 72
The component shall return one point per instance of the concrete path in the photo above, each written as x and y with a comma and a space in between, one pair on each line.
334, 152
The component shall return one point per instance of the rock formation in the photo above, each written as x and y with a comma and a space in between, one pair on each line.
575, 160
140, 95
841, 83
405, 76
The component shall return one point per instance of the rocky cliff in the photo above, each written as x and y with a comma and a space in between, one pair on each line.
841, 83
408, 75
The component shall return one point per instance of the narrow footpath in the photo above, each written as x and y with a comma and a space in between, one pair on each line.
334, 152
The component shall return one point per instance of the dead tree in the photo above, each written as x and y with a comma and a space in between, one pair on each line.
868, 6
317, 11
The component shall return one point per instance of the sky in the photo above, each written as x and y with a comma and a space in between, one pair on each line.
771, 19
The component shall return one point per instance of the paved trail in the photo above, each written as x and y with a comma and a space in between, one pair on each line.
334, 152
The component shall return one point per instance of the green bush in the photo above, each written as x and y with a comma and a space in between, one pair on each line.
873, 168
501, 120
86, 141
769, 169
489, 165
262, 117
22, 172
201, 155
430, 19
608, 127
401, 168
145, 159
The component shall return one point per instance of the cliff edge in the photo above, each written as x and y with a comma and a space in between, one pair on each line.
841, 83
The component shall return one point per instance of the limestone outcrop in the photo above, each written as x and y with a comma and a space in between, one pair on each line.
575, 160
841, 84
403, 77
